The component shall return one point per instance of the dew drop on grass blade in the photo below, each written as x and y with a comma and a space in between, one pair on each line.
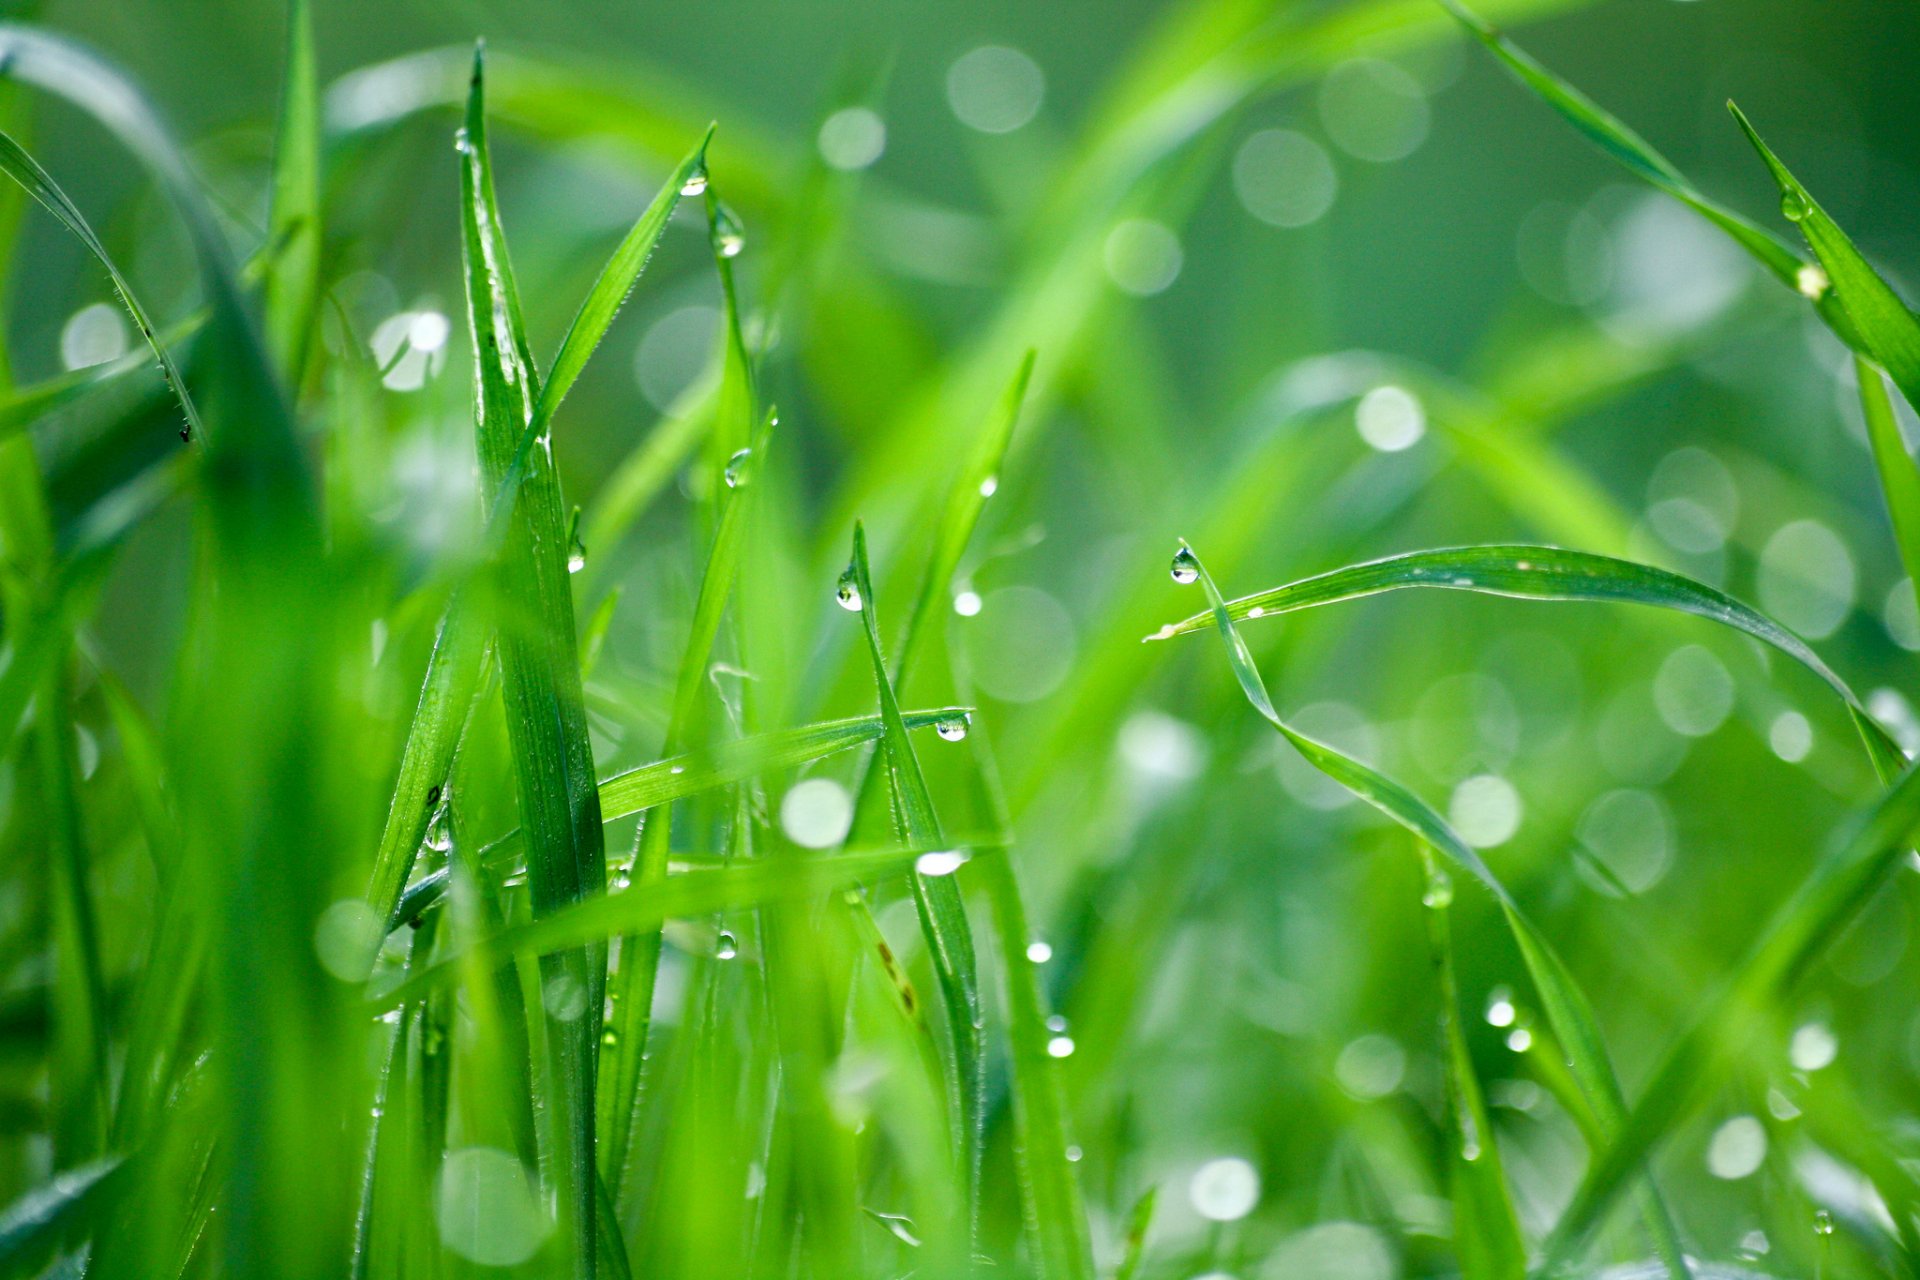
1567, 1007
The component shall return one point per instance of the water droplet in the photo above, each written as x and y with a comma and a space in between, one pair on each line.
1185, 569
462, 143
1793, 205
737, 473
848, 593
576, 554
942, 863
729, 237
696, 183
1520, 1040
967, 604
989, 486
1822, 1223
1811, 281
439, 832
953, 728
1500, 1011
1439, 891
1039, 952
609, 1037
725, 948
1060, 1047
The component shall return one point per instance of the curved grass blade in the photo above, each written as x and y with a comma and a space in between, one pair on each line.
26, 171
1880, 324
540, 673
1567, 1007
293, 286
943, 913
1799, 934
32, 1225
1628, 148
1527, 572
1486, 1231
1899, 478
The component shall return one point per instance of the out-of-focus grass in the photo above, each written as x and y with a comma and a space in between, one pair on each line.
460, 816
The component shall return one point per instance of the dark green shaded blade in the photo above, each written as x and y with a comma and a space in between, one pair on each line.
540, 674
1566, 1005
31, 1226
1526, 572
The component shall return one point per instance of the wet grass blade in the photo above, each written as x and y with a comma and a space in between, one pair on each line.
293, 286
1567, 1007
1899, 478
1881, 325
1528, 572
26, 171
540, 674
1628, 148
943, 913
31, 1226
1486, 1231
1800, 933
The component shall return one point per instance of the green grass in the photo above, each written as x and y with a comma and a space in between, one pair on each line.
465, 813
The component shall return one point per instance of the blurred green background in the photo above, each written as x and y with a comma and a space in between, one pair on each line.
1382, 300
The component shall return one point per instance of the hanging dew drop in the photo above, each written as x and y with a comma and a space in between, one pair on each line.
989, 486
1439, 891
1793, 206
725, 948
729, 238
736, 474
576, 555
1822, 1223
848, 592
439, 835
953, 728
1186, 568
609, 1037
696, 183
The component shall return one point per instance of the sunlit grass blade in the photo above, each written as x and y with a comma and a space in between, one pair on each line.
1628, 148
1134, 1245
1567, 1007
540, 674
30, 1227
1881, 324
26, 171
1801, 931
1486, 1231
685, 895
616, 281
943, 913
1899, 478
293, 286
1551, 573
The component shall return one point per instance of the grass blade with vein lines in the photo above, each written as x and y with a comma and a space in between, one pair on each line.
1812, 919
1879, 323
1486, 1231
1899, 478
293, 286
540, 674
1566, 1005
1528, 572
943, 913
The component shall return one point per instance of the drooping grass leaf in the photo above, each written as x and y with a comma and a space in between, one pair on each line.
540, 673
1551, 573
1800, 932
26, 171
943, 913
1628, 148
293, 286
1566, 1005
1880, 324
1486, 1230
1899, 478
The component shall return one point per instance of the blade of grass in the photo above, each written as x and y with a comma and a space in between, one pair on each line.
26, 171
1899, 479
1567, 1007
31, 1226
1486, 1231
293, 286
1527, 572
546, 708
1805, 926
943, 914
1879, 323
